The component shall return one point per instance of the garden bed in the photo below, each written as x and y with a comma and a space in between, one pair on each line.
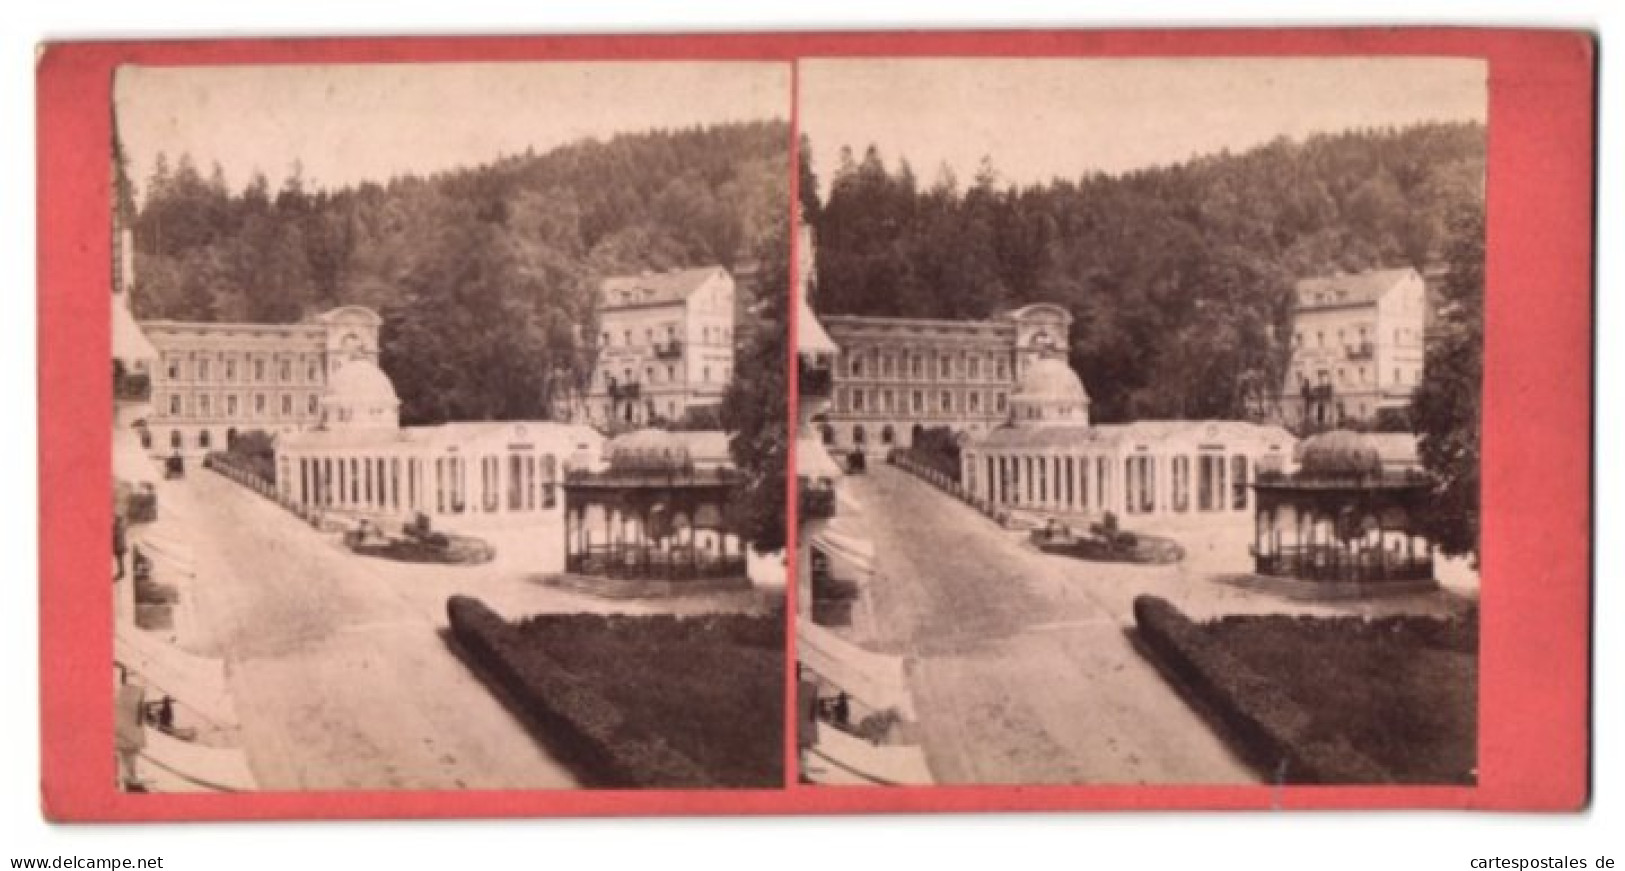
1331, 699
649, 701
1124, 548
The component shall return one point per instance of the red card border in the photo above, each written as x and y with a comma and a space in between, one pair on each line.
1536, 606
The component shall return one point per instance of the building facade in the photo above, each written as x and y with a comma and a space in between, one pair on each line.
895, 377
665, 346
1357, 347
211, 381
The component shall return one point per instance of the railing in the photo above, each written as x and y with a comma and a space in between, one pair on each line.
816, 503
642, 562
670, 349
654, 476
625, 391
947, 484
1361, 351
1318, 392
1333, 563
132, 387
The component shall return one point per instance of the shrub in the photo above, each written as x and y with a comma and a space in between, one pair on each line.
1331, 700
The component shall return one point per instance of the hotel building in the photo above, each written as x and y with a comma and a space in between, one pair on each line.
1357, 347
665, 346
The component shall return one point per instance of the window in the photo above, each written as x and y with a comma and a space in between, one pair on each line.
231, 406
203, 439
944, 367
259, 403
649, 374
1002, 370
203, 405
1397, 379
649, 335
857, 400
671, 374
886, 365
855, 366
310, 404
840, 399
887, 401
604, 340
705, 374
947, 401
259, 370
175, 439
975, 367
626, 338
286, 371
287, 406
915, 365
999, 403
175, 405
173, 370
918, 402
975, 403
203, 370
1320, 339
310, 373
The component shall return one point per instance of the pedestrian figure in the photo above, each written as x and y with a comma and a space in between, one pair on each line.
843, 709
119, 545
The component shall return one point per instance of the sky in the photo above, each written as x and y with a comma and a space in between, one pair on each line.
349, 123
1045, 119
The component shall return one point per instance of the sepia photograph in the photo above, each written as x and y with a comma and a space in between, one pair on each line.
450, 428
1138, 430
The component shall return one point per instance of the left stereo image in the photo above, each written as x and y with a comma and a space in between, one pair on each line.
450, 425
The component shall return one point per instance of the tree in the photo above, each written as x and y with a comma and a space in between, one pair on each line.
754, 407
1445, 409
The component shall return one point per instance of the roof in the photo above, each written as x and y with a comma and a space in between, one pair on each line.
1144, 432
130, 343
1050, 380
656, 288
811, 337
558, 437
361, 380
1360, 288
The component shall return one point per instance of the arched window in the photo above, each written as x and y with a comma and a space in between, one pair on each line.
203, 439
887, 435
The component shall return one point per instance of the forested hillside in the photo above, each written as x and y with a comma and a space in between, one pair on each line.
482, 275
1179, 277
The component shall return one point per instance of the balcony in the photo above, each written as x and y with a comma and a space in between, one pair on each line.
817, 504
815, 381
1317, 393
631, 391
1361, 351
671, 349
132, 386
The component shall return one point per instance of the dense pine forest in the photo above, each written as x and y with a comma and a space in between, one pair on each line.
1179, 277
485, 276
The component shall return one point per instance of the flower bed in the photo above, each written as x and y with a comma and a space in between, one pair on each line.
651, 701
1331, 700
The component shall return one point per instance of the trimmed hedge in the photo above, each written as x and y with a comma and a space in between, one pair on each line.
642, 701
1269, 724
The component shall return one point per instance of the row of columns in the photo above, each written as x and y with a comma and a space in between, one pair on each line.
373, 484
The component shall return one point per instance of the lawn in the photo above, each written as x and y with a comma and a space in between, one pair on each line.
1342, 699
646, 701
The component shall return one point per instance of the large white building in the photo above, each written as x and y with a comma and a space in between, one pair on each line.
665, 346
212, 381
1050, 458
358, 461
1357, 347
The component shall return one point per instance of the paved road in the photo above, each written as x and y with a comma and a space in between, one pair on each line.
341, 679
1025, 673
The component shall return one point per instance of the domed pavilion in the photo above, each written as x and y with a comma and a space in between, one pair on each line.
1350, 514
